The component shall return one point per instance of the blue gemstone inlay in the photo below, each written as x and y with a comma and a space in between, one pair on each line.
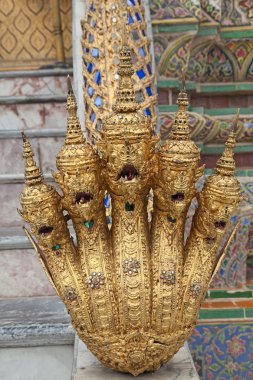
142, 52
97, 77
91, 38
90, 67
130, 2
147, 112
143, 33
141, 74
90, 91
149, 69
95, 52
107, 201
130, 19
94, 23
98, 101
92, 117
108, 219
137, 16
92, 9
149, 91
87, 50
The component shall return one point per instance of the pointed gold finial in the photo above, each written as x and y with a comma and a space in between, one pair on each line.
125, 99
180, 129
32, 172
74, 133
226, 163
124, 37
183, 81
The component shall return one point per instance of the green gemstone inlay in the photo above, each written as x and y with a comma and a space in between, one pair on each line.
129, 206
171, 219
56, 247
89, 224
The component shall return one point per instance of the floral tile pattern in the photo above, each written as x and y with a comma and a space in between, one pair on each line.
223, 352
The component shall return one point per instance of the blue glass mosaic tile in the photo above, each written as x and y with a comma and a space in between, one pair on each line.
91, 38
92, 116
87, 50
141, 74
94, 23
90, 91
98, 101
147, 112
149, 69
95, 52
130, 2
143, 32
107, 201
142, 52
90, 67
97, 77
130, 19
138, 18
92, 8
149, 91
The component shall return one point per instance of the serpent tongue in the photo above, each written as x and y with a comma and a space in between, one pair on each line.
220, 224
128, 172
45, 231
83, 197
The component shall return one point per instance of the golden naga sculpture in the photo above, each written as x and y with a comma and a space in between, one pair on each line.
134, 291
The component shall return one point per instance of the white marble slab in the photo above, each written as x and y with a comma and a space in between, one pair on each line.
86, 366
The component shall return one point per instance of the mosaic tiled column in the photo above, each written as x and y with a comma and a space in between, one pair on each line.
103, 30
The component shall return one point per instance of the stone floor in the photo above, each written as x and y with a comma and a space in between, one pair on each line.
36, 363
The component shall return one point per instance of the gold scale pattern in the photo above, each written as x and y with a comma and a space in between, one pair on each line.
134, 291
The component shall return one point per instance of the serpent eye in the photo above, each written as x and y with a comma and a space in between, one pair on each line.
45, 231
178, 197
83, 198
128, 173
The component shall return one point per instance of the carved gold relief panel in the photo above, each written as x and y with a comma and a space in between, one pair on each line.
30, 31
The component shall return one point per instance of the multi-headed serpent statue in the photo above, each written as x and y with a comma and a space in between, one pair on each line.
134, 291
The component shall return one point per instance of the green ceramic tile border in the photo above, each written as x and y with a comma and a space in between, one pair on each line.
221, 313
220, 149
174, 28
233, 87
222, 293
174, 83
206, 88
174, 108
239, 173
237, 33
210, 112
248, 313
208, 31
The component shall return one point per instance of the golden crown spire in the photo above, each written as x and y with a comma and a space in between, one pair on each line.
75, 153
226, 163
125, 99
74, 132
32, 172
180, 129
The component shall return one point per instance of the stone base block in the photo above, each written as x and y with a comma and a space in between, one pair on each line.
86, 366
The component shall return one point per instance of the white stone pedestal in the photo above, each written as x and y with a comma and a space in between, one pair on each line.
87, 367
